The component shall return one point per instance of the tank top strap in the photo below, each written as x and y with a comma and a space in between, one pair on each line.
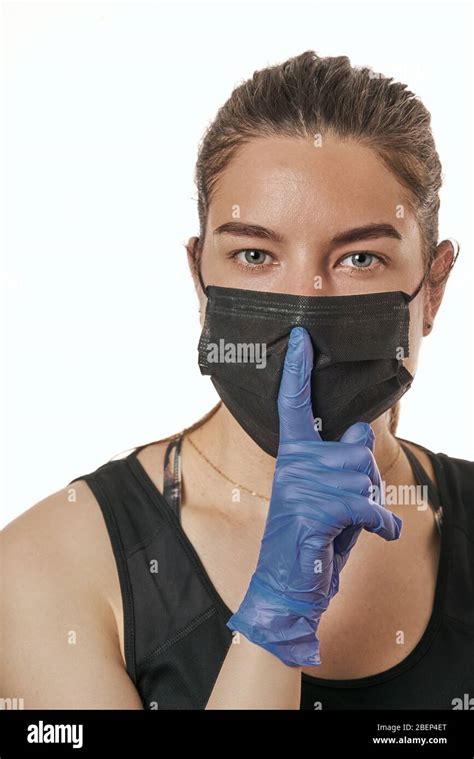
172, 485
423, 479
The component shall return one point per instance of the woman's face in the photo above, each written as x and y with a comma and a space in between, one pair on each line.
289, 217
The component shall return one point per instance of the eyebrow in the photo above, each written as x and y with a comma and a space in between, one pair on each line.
369, 231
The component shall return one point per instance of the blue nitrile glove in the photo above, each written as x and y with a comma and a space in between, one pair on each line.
320, 502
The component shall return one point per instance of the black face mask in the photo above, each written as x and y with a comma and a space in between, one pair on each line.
359, 343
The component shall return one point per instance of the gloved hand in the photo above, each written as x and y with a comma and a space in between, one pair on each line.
321, 500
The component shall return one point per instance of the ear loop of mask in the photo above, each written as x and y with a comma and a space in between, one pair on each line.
418, 288
204, 288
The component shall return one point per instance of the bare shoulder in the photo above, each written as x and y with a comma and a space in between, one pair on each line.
66, 526
61, 643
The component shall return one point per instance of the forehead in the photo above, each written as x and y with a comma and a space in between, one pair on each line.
289, 182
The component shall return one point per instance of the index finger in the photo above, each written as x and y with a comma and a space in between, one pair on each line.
294, 396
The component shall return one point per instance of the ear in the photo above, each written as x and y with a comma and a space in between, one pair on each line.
192, 250
192, 247
443, 262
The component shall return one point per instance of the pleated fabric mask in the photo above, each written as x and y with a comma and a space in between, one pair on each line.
359, 344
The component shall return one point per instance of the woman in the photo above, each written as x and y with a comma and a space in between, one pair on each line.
202, 571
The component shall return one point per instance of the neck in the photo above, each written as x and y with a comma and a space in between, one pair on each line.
234, 452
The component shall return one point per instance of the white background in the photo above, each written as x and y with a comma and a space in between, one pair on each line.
104, 105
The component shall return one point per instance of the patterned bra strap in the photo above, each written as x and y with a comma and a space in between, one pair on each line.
172, 474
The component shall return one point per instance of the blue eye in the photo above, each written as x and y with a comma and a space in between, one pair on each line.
362, 260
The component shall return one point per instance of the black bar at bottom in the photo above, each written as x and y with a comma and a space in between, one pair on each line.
76, 733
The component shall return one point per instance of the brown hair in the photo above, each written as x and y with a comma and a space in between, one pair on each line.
307, 95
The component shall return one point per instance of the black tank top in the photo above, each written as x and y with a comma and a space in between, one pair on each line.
175, 633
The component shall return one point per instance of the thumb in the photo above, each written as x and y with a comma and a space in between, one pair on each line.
362, 433
359, 433
294, 397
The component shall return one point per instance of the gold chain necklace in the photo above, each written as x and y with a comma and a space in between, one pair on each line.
254, 492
